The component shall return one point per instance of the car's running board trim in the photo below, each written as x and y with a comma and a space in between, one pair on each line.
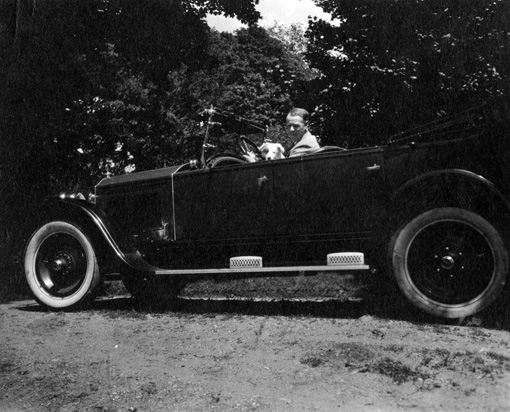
261, 270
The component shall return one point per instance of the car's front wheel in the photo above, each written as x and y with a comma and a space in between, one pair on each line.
450, 262
61, 267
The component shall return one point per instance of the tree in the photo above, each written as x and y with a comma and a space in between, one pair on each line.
75, 59
393, 64
82, 85
294, 40
251, 74
17, 15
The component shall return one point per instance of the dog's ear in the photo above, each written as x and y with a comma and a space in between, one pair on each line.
280, 148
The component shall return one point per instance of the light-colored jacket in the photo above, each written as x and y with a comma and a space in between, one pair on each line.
307, 144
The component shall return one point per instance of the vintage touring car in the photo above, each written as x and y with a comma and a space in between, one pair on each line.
433, 202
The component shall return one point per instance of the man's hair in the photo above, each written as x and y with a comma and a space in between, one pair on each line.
300, 112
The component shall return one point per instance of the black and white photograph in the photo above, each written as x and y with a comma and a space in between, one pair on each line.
254, 205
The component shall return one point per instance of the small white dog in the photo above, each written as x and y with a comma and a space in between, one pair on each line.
272, 151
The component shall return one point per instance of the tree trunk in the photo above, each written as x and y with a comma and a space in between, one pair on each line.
7, 21
15, 18
24, 11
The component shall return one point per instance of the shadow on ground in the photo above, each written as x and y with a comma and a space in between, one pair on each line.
351, 299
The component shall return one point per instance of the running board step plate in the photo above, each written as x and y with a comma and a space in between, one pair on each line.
243, 262
346, 259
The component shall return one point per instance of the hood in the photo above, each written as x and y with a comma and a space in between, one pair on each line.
140, 176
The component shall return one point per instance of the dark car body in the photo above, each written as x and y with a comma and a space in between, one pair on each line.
288, 211
292, 213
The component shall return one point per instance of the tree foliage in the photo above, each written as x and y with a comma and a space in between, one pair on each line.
251, 74
392, 64
86, 84
243, 10
103, 86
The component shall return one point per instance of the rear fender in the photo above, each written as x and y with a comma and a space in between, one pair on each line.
452, 188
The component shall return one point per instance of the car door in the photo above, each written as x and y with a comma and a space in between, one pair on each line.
229, 202
329, 193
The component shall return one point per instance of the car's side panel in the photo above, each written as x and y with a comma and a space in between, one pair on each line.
224, 203
142, 209
328, 193
408, 162
291, 210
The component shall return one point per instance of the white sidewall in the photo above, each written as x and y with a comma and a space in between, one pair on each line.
32, 249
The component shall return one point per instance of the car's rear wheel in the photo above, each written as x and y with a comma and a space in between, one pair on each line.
61, 266
450, 262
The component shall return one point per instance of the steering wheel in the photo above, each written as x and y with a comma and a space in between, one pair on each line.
247, 146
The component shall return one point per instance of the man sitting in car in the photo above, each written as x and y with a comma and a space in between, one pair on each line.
297, 129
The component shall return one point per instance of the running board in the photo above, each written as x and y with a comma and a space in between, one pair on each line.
253, 264
261, 270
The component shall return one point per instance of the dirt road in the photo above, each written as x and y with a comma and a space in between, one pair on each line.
115, 357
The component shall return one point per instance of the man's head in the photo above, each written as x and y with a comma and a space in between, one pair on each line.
297, 123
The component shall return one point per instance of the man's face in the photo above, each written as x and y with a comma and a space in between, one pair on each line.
296, 127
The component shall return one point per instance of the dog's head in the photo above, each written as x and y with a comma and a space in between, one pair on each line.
272, 151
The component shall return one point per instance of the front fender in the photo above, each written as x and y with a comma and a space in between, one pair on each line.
116, 251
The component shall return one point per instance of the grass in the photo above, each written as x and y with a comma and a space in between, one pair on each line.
313, 361
397, 371
364, 358
326, 285
324, 295
405, 363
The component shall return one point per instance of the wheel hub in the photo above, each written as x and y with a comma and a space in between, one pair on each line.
447, 262
62, 263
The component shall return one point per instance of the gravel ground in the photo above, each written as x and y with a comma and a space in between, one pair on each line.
245, 355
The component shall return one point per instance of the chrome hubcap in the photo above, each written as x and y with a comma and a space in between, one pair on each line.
447, 262
62, 263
